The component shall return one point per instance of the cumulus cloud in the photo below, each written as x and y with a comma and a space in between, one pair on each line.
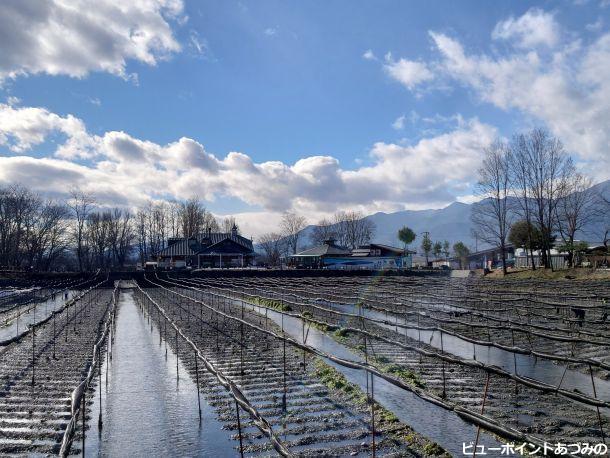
536, 27
567, 89
408, 72
23, 128
73, 38
122, 168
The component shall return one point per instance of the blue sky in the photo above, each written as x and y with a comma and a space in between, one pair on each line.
280, 82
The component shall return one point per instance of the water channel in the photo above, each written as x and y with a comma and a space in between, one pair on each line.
145, 410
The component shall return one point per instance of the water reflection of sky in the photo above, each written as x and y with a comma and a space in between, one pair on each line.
434, 422
145, 412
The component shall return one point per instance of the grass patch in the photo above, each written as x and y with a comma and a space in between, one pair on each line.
321, 327
385, 421
277, 305
334, 379
433, 449
341, 335
383, 363
405, 375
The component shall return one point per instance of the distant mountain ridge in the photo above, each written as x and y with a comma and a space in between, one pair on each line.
451, 223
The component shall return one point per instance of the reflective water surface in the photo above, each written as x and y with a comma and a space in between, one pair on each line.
434, 422
145, 411
540, 369
31, 313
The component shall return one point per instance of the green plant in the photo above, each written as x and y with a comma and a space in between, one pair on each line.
433, 449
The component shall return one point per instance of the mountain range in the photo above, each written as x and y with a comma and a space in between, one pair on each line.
451, 223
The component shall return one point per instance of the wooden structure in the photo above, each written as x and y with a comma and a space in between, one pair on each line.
210, 249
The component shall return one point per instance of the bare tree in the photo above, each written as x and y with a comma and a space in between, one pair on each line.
45, 239
157, 223
121, 236
324, 230
195, 218
227, 224
446, 251
272, 244
353, 229
173, 218
491, 216
16, 208
142, 240
549, 167
81, 204
292, 225
98, 231
520, 177
577, 206
32, 232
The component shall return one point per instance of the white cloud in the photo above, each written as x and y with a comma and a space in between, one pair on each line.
126, 170
595, 26
23, 128
198, 44
270, 31
369, 55
567, 90
75, 37
408, 72
536, 27
399, 123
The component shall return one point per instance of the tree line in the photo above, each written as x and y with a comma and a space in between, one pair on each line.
533, 194
76, 233
407, 236
349, 229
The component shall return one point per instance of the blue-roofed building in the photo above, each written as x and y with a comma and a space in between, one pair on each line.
209, 249
374, 256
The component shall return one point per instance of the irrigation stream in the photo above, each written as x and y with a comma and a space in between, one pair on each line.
529, 366
145, 410
165, 367
440, 425
21, 319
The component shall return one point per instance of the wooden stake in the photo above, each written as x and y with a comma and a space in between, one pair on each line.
99, 356
443, 368
83, 416
599, 418
373, 411
197, 381
476, 442
241, 445
33, 356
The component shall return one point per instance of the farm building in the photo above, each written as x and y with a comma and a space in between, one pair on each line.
314, 258
445, 263
490, 258
210, 249
329, 255
378, 256
594, 256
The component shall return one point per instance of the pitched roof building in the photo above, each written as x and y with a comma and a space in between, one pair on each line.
209, 249
375, 256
